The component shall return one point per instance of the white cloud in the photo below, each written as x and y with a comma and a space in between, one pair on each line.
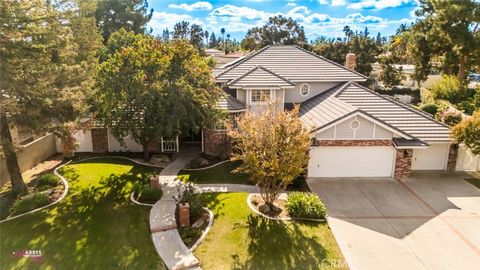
291, 4
232, 11
378, 4
162, 20
339, 2
194, 6
323, 2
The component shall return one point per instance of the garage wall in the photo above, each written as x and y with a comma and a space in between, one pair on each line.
433, 158
365, 130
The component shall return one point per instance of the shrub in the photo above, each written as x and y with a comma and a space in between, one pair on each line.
47, 181
429, 108
195, 201
190, 235
450, 89
29, 202
449, 116
147, 194
305, 205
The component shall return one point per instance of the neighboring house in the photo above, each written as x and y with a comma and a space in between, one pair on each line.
355, 132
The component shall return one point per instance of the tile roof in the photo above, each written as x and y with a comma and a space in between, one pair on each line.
260, 76
402, 117
292, 63
229, 103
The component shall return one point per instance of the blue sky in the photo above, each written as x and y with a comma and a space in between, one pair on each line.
319, 17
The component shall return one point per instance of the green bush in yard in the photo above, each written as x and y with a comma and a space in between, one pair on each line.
305, 205
429, 108
29, 202
47, 181
149, 195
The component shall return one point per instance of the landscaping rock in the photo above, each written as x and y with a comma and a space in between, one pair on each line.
159, 159
264, 208
198, 223
203, 162
275, 208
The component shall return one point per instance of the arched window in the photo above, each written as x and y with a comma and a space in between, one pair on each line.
304, 89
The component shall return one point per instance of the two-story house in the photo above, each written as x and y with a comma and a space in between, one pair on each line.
355, 132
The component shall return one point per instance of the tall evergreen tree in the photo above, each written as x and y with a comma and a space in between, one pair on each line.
47, 67
132, 15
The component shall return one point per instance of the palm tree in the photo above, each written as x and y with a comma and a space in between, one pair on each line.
223, 38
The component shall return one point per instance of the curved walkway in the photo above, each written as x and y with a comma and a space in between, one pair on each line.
163, 225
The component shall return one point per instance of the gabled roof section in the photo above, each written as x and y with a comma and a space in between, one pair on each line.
324, 108
231, 104
415, 123
292, 63
260, 77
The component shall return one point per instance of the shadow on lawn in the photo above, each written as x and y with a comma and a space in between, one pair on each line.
274, 245
95, 227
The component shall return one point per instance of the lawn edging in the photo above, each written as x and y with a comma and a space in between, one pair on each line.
65, 191
121, 157
252, 207
208, 167
205, 232
132, 198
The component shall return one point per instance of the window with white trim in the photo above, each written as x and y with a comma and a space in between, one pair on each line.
260, 95
304, 89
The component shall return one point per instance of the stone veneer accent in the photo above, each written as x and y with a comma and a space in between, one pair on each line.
99, 140
403, 163
452, 157
351, 142
216, 143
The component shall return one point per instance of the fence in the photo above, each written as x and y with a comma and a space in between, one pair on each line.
30, 155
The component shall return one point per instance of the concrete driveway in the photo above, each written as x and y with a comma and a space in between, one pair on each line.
429, 221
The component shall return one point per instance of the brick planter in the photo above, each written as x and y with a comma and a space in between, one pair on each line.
154, 183
184, 213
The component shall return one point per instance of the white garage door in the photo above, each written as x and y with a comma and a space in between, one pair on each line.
366, 161
433, 158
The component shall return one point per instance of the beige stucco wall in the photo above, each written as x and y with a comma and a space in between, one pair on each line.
366, 130
30, 155
293, 95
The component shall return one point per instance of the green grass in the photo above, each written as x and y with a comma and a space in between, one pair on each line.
221, 174
94, 227
240, 239
474, 181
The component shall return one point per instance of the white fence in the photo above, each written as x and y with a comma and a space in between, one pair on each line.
466, 161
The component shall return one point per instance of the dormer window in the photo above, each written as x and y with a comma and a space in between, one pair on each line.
304, 89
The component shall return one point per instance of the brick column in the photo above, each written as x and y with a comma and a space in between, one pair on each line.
403, 163
452, 157
216, 143
99, 140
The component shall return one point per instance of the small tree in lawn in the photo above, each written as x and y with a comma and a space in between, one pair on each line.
468, 132
273, 146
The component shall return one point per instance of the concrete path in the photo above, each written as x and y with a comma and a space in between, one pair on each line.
163, 226
429, 221
228, 188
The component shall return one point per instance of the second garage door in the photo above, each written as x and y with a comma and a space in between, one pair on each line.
367, 161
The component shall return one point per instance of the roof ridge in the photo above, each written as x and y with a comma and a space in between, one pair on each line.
275, 74
331, 62
256, 68
410, 108
248, 56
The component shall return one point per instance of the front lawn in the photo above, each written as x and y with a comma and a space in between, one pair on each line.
240, 239
221, 174
94, 227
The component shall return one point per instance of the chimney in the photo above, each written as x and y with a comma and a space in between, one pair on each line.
350, 61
